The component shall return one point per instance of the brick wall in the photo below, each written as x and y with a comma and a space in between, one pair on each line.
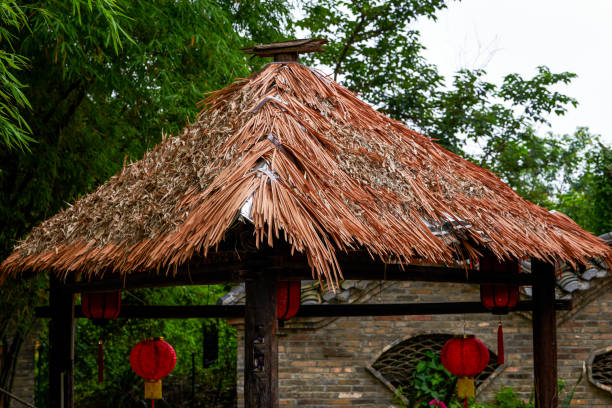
325, 367
587, 330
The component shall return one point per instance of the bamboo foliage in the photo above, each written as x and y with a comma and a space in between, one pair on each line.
321, 170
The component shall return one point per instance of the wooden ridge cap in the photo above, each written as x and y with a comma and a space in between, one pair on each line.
287, 47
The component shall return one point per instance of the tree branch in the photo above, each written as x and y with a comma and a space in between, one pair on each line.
64, 96
350, 41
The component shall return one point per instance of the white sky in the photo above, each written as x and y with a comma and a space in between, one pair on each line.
504, 36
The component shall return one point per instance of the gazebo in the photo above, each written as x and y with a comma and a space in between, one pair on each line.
286, 175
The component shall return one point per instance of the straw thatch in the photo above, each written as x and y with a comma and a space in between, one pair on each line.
307, 162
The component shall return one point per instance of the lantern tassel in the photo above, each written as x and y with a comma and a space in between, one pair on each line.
465, 387
100, 360
466, 402
500, 344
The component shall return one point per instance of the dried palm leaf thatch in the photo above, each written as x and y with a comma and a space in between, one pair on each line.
310, 163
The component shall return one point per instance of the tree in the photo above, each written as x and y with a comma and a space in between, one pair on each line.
94, 103
15, 18
19, 21
102, 80
374, 52
589, 199
13, 128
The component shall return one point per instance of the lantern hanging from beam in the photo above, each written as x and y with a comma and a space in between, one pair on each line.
153, 359
101, 307
499, 298
465, 357
288, 299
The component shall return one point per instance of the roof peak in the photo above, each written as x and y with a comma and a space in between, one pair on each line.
287, 50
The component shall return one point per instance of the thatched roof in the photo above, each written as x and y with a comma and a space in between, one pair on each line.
305, 161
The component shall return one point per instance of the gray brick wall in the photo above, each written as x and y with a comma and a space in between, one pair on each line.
325, 367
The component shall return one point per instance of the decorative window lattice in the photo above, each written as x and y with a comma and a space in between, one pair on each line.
398, 363
600, 369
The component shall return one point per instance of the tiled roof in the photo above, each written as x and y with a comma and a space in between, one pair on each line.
569, 280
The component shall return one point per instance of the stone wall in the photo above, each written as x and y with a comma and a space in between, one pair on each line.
23, 383
326, 366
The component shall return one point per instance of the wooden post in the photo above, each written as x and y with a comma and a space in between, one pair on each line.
61, 353
260, 342
287, 57
544, 334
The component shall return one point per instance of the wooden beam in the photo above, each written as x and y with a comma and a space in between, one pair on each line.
210, 274
544, 325
203, 274
61, 340
365, 270
163, 312
406, 309
336, 310
260, 342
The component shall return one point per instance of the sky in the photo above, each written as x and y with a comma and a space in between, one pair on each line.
506, 36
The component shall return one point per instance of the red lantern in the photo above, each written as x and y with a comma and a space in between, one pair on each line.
100, 307
288, 299
499, 298
465, 357
153, 360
